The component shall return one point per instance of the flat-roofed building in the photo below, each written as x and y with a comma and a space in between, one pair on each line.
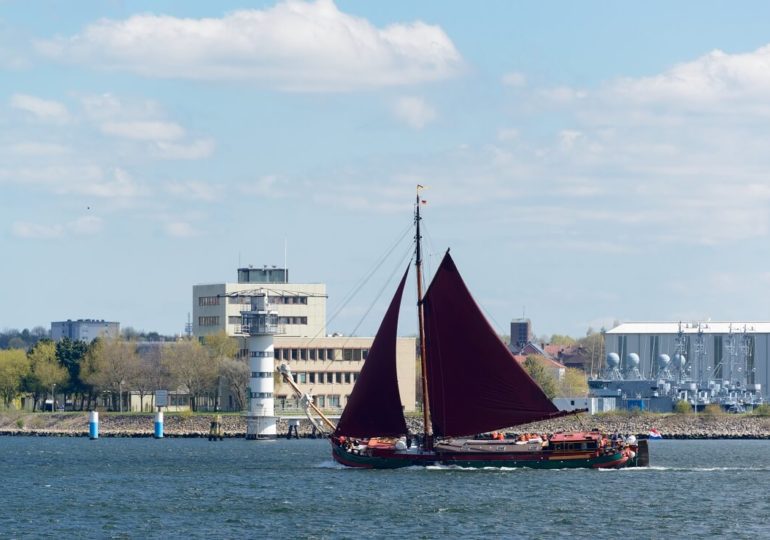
328, 367
737, 352
301, 307
84, 329
325, 366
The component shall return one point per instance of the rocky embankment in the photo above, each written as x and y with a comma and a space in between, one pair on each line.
675, 426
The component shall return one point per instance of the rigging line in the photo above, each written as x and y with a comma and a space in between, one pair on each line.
349, 296
379, 294
431, 253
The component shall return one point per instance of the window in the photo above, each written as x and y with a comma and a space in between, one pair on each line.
239, 300
356, 355
277, 353
312, 353
208, 321
347, 377
243, 353
338, 377
261, 374
334, 401
295, 354
302, 378
261, 354
234, 319
208, 301
364, 353
320, 401
355, 376
329, 378
347, 354
260, 395
303, 354
322, 354
330, 354
311, 377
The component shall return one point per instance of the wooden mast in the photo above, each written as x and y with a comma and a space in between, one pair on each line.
427, 426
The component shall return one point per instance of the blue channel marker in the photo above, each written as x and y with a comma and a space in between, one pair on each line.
159, 425
93, 425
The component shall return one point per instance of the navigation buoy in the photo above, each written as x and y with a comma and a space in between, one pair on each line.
159, 425
93, 425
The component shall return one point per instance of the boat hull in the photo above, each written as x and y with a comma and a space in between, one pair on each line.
391, 459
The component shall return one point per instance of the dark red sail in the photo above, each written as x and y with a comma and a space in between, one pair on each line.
374, 407
474, 383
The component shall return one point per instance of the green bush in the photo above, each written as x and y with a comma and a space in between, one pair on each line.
713, 409
20, 423
682, 407
762, 410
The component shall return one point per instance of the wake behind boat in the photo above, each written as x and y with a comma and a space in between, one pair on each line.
471, 384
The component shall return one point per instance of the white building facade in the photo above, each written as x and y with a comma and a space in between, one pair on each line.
84, 330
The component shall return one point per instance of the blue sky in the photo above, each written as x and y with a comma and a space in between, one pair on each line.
586, 162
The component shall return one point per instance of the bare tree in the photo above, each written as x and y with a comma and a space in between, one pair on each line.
235, 374
190, 366
112, 365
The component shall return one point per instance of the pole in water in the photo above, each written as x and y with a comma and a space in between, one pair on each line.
158, 424
93, 425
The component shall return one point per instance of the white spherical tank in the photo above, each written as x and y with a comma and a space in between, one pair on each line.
679, 361
632, 360
663, 360
613, 360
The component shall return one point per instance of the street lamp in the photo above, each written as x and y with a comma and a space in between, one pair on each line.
120, 396
53, 397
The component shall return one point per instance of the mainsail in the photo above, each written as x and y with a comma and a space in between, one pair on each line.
374, 406
475, 384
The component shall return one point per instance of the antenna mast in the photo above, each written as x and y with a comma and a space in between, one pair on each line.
427, 426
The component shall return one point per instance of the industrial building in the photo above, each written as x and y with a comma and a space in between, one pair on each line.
701, 362
84, 330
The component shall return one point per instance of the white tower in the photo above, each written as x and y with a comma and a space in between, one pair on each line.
260, 324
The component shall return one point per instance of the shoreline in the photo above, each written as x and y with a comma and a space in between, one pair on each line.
133, 425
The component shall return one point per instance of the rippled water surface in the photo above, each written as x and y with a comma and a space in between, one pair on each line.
192, 488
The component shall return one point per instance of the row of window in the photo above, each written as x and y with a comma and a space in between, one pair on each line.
287, 299
260, 395
208, 301
208, 321
349, 354
292, 320
326, 377
330, 401
261, 374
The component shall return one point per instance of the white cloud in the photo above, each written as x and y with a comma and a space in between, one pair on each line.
198, 149
180, 229
85, 225
514, 80
90, 180
194, 190
267, 186
563, 94
42, 109
35, 149
23, 229
710, 79
414, 112
144, 130
295, 45
507, 134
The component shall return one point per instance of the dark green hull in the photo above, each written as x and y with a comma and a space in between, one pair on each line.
540, 460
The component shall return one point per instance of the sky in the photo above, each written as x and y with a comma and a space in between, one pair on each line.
585, 162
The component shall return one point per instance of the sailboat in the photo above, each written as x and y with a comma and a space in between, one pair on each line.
471, 387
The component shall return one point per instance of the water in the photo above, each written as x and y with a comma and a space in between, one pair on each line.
192, 488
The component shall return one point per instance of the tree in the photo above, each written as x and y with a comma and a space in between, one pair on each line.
235, 374
14, 366
111, 365
574, 383
190, 366
71, 355
564, 341
536, 369
45, 371
593, 344
220, 347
